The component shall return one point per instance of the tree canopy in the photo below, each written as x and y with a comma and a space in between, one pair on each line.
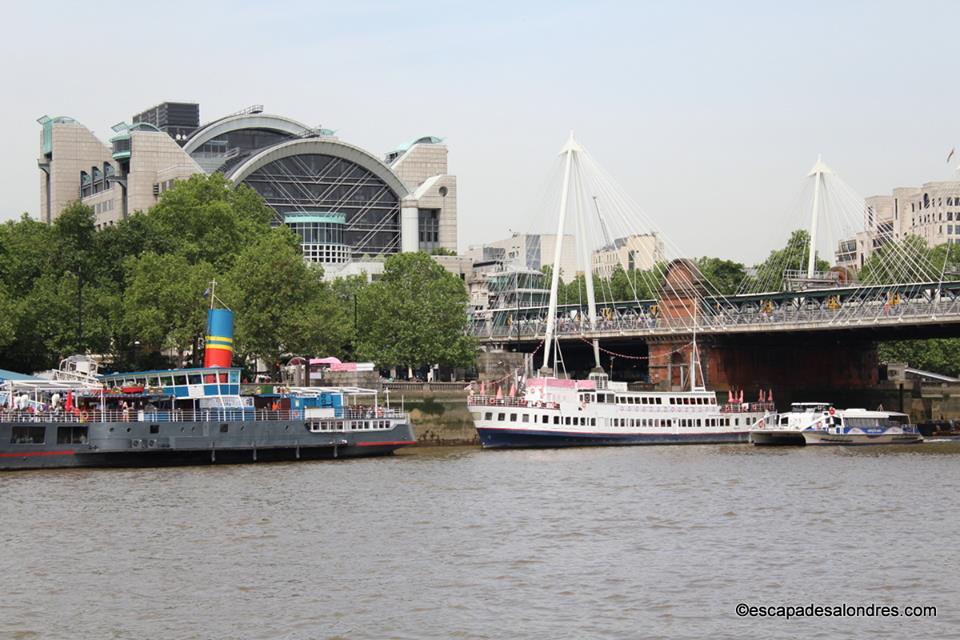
415, 315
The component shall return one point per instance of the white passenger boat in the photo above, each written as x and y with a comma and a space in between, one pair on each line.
787, 428
554, 412
860, 427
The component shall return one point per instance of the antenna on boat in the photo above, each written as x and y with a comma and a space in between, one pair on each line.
211, 292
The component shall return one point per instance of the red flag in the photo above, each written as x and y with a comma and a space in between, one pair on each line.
68, 405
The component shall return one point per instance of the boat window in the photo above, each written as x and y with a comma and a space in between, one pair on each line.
224, 428
489, 416
223, 378
546, 419
567, 421
593, 422
556, 419
154, 428
784, 420
180, 380
195, 378
71, 435
673, 400
501, 417
699, 422
153, 381
513, 417
166, 381
526, 417
27, 435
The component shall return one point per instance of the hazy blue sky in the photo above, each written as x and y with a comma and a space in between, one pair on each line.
708, 113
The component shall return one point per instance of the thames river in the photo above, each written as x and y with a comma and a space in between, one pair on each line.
636, 542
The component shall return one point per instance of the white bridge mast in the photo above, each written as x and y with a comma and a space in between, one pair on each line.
817, 173
569, 150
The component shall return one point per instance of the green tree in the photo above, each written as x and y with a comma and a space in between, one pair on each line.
207, 219
908, 259
793, 257
415, 315
163, 304
940, 355
725, 275
347, 292
28, 251
283, 306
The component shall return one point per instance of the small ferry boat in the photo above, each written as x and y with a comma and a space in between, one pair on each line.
786, 429
186, 416
863, 427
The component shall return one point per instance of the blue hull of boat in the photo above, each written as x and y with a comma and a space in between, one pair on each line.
517, 438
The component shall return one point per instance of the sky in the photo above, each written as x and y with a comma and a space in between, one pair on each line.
709, 114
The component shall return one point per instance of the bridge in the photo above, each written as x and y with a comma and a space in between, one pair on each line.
901, 306
797, 312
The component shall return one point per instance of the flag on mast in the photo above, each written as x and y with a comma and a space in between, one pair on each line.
950, 155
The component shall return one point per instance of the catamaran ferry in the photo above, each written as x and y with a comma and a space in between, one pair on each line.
555, 412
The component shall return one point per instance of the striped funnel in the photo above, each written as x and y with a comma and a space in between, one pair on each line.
219, 342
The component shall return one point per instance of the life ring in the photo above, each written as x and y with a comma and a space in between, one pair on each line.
832, 411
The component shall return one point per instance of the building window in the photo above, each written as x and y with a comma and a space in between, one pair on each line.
429, 220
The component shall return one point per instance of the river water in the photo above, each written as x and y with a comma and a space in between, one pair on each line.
636, 542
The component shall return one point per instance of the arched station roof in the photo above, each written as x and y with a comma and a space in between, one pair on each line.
320, 146
245, 121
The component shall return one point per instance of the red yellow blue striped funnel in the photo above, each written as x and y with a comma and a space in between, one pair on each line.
219, 343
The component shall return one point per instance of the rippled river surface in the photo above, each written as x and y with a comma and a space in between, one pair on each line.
636, 542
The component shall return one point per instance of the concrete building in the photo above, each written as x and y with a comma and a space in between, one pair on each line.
346, 204
931, 212
638, 251
529, 251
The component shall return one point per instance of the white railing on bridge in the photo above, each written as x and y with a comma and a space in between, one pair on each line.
846, 313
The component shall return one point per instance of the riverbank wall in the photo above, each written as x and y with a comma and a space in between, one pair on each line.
438, 411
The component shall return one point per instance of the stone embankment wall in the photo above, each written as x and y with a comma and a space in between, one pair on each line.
438, 411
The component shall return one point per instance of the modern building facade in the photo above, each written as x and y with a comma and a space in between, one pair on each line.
640, 251
346, 204
931, 212
529, 251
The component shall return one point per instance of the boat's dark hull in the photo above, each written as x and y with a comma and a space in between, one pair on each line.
242, 443
529, 439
